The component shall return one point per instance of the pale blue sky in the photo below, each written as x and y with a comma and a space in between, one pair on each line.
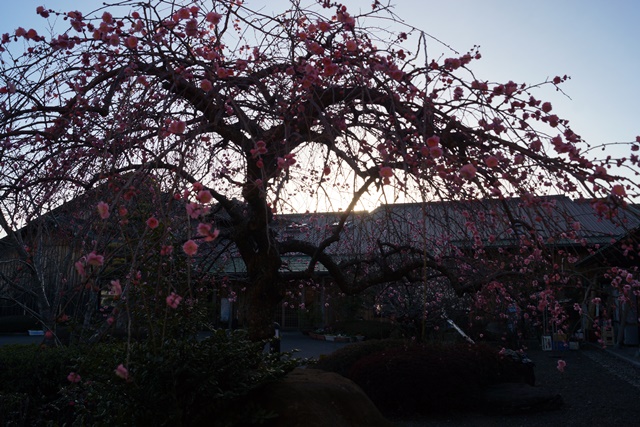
596, 42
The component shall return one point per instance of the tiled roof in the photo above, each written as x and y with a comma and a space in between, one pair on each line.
560, 222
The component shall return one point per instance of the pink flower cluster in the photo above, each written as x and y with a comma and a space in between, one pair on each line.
173, 300
152, 222
103, 210
468, 171
205, 230
91, 259
190, 247
122, 372
561, 365
286, 161
115, 288
74, 377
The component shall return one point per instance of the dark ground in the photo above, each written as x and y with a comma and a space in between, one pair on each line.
598, 389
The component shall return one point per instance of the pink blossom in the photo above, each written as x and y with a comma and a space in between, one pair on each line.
546, 107
80, 268
152, 223
324, 26
386, 172
331, 69
95, 259
74, 377
435, 152
191, 28
40, 10
111, 320
286, 161
31, 34
561, 365
103, 210
173, 300
491, 161
468, 171
183, 13
351, 45
205, 230
166, 250
433, 141
204, 196
206, 85
190, 247
48, 335
177, 127
452, 63
261, 148
131, 42
576, 225
194, 210
116, 288
618, 190
223, 73
396, 74
213, 18
122, 372
600, 171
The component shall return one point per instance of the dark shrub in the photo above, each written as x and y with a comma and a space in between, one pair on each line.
33, 370
342, 360
14, 409
370, 329
431, 378
185, 382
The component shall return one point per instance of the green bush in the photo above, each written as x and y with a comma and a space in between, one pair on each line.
34, 370
13, 409
185, 382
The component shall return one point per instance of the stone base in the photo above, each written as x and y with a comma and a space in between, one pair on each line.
315, 398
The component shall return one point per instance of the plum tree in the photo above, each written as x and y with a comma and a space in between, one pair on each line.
239, 116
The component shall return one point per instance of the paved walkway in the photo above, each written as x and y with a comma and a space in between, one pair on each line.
629, 354
305, 347
19, 339
302, 345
